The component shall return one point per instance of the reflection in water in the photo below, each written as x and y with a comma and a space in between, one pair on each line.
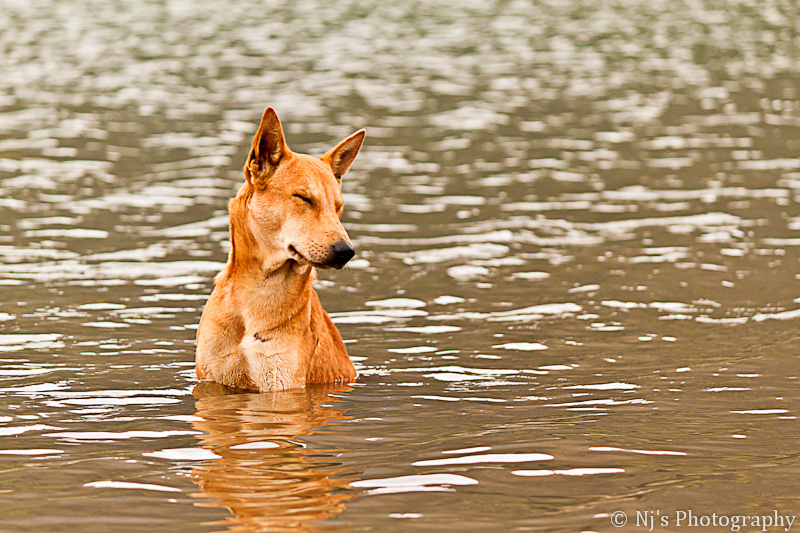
264, 476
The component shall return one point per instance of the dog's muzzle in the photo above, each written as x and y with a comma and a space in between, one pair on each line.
341, 252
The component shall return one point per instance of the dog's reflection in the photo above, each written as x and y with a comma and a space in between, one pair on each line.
266, 478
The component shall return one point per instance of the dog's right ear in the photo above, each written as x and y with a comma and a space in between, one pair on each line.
269, 146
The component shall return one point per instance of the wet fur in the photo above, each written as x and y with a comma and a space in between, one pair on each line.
263, 327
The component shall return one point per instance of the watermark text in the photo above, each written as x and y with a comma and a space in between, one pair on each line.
653, 520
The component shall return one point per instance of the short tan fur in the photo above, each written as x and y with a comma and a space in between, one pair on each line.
263, 327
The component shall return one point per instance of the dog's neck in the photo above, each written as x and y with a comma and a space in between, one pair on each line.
273, 287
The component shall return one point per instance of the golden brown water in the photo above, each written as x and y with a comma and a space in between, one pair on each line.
575, 289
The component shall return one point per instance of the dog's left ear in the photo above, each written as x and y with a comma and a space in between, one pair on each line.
341, 157
269, 146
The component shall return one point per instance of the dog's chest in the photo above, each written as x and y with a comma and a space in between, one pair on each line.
274, 363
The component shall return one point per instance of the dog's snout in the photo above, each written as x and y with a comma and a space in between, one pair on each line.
343, 252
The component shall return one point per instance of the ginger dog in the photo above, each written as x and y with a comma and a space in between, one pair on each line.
263, 327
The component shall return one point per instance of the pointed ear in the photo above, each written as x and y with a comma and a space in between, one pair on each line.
341, 157
269, 146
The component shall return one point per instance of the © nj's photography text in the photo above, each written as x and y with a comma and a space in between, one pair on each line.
678, 519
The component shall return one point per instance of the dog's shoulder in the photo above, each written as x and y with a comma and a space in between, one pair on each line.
330, 361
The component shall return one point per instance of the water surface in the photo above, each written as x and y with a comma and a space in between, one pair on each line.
575, 290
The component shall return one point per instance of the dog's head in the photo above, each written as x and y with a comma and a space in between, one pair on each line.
295, 207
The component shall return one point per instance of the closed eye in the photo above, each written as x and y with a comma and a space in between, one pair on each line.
304, 198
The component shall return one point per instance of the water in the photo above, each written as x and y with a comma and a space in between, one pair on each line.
576, 288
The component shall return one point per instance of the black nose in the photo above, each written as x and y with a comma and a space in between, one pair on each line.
343, 252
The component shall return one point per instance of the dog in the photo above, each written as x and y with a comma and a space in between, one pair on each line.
263, 327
